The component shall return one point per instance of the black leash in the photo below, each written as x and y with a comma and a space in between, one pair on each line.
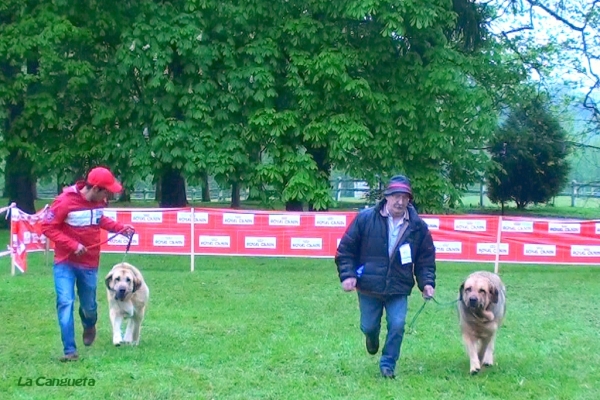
412, 323
128, 245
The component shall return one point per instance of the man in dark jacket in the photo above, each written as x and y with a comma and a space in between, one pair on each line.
380, 254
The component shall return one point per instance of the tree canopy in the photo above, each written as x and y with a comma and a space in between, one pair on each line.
255, 93
531, 150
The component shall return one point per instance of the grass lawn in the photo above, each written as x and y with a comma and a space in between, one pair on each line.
258, 328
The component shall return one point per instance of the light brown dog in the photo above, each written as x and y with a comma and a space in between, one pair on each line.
128, 296
481, 308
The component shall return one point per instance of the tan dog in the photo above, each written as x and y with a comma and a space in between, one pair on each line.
127, 294
481, 308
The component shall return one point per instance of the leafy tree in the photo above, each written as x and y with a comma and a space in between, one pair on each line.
50, 57
257, 93
531, 151
374, 89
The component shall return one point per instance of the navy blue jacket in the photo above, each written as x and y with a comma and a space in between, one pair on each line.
365, 243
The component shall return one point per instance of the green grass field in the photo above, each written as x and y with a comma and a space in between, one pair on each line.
258, 328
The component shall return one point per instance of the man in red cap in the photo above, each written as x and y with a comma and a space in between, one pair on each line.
381, 253
73, 223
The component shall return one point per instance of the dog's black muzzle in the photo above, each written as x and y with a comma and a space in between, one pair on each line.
120, 294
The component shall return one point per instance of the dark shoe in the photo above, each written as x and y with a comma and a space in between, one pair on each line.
372, 345
69, 357
388, 373
89, 335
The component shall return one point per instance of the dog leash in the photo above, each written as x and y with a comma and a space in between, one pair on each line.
109, 239
114, 236
414, 320
128, 245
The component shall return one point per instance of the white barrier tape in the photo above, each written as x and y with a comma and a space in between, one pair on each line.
4, 209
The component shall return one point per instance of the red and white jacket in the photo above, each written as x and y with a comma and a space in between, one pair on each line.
70, 220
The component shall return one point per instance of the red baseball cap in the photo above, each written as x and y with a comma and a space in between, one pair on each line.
102, 177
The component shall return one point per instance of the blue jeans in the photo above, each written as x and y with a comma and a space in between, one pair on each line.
371, 310
66, 277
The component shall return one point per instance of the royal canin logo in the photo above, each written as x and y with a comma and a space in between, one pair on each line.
544, 250
474, 225
490, 249
153, 217
554, 227
284, 220
184, 217
214, 241
260, 242
432, 223
330, 220
517, 226
238, 219
585, 251
121, 240
306, 243
169, 240
448, 247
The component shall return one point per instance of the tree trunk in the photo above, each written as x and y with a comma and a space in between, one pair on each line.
235, 195
294, 205
205, 188
319, 154
19, 181
172, 189
34, 188
125, 196
158, 190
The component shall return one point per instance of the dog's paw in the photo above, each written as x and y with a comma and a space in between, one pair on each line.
488, 360
117, 341
475, 367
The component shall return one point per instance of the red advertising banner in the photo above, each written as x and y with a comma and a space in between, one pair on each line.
25, 235
308, 234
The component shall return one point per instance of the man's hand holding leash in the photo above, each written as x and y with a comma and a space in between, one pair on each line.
128, 231
80, 249
428, 292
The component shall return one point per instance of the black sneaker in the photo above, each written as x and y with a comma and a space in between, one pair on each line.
387, 373
372, 345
